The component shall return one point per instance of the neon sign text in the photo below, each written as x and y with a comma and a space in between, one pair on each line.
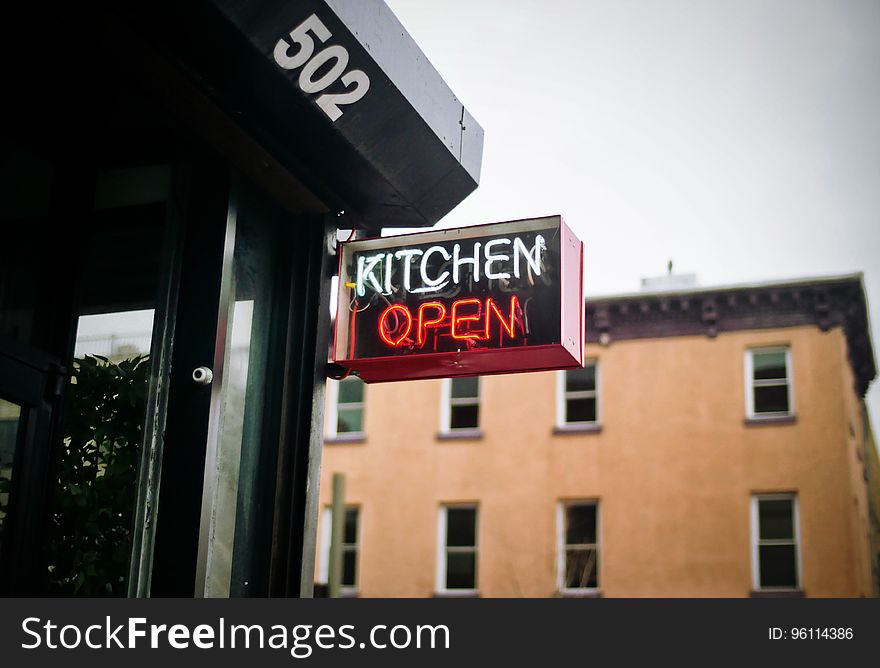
469, 319
494, 259
498, 298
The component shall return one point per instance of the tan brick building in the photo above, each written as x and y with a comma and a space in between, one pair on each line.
715, 445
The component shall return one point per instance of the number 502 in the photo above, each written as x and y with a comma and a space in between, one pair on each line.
356, 82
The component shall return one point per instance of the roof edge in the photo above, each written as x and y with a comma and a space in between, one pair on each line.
824, 302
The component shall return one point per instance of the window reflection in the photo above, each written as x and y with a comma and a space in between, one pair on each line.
10, 415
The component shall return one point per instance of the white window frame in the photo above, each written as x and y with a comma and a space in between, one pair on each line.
757, 542
446, 403
324, 557
331, 403
443, 550
751, 384
561, 545
562, 396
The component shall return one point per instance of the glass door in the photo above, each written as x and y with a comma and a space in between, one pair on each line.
105, 430
30, 372
88, 264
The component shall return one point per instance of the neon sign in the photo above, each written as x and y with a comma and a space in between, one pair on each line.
488, 299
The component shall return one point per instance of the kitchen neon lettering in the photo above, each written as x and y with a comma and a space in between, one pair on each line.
389, 273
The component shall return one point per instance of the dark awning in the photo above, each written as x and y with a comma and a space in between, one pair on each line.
402, 155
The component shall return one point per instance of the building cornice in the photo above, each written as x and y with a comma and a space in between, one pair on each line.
827, 302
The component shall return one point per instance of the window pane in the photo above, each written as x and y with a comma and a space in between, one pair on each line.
351, 391
464, 417
463, 388
769, 365
773, 399
25, 193
580, 410
581, 380
778, 567
350, 420
580, 569
461, 570
94, 487
349, 568
580, 525
349, 532
775, 519
461, 524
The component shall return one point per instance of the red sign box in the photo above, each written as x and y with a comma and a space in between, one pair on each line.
500, 298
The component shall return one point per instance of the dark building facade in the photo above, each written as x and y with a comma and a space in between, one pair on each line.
182, 168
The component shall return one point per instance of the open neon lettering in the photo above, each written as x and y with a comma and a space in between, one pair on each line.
458, 319
461, 321
424, 322
386, 331
508, 326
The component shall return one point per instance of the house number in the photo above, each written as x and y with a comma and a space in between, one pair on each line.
356, 82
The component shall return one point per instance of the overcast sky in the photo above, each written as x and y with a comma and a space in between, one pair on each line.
739, 138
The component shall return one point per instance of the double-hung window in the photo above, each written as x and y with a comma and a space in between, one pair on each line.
350, 540
577, 397
775, 542
345, 408
461, 405
577, 543
457, 549
768, 383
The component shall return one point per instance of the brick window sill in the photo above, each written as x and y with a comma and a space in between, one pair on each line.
456, 594
595, 593
562, 430
770, 419
354, 438
460, 435
778, 593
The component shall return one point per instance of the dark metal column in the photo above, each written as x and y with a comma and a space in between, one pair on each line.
299, 457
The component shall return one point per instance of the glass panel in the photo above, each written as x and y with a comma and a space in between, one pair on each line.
581, 380
461, 527
580, 410
775, 519
114, 335
236, 367
778, 566
242, 488
464, 417
351, 391
463, 388
769, 365
772, 399
350, 420
96, 487
580, 526
9, 418
349, 533
25, 185
461, 570
580, 569
349, 568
